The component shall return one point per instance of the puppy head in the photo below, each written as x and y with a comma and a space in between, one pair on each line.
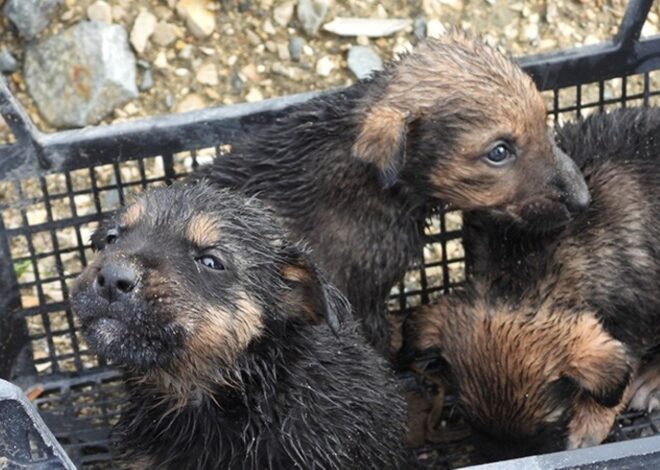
462, 123
189, 277
525, 378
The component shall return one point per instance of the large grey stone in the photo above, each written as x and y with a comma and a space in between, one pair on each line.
363, 60
30, 16
82, 74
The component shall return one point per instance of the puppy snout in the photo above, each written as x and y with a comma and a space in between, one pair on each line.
570, 183
115, 280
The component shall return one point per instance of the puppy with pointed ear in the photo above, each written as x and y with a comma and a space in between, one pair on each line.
357, 172
238, 352
530, 380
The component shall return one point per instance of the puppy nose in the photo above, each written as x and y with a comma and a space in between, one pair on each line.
115, 279
578, 202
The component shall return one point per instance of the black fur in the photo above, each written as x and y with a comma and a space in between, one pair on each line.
608, 256
305, 392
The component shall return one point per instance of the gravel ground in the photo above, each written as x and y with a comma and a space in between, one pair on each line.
247, 57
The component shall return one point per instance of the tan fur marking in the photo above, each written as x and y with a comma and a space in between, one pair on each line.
202, 230
381, 135
591, 423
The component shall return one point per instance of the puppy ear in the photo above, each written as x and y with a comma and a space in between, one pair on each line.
598, 363
310, 296
382, 142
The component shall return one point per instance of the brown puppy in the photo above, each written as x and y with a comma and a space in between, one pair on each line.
529, 379
558, 320
356, 173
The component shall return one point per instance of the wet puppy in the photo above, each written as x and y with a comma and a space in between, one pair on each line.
608, 258
543, 345
356, 173
236, 351
529, 379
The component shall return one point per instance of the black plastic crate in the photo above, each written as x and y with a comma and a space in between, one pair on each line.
54, 188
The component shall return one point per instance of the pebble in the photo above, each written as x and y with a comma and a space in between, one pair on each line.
363, 61
160, 62
82, 74
435, 29
8, 63
419, 28
324, 66
268, 27
164, 34
254, 39
283, 52
199, 19
250, 73
531, 32
373, 28
296, 44
254, 95
236, 82
191, 102
30, 16
100, 11
438, 8
143, 28
362, 40
147, 82
282, 14
311, 14
208, 75
288, 72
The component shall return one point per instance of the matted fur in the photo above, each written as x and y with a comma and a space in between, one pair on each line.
578, 302
356, 173
255, 364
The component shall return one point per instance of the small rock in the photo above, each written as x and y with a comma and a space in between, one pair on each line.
208, 75
164, 34
438, 8
531, 32
191, 102
236, 82
30, 16
362, 40
254, 95
186, 52
268, 27
363, 61
373, 28
8, 63
100, 11
419, 28
199, 19
283, 52
118, 12
271, 46
288, 72
81, 74
143, 28
324, 66
250, 73
161, 60
282, 14
181, 72
253, 37
296, 44
311, 14
435, 29
147, 81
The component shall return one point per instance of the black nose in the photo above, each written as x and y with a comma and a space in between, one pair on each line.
115, 279
578, 202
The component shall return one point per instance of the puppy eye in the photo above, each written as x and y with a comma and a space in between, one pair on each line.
111, 236
500, 154
211, 262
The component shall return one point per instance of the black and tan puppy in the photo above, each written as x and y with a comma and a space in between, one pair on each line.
529, 379
356, 173
235, 347
556, 323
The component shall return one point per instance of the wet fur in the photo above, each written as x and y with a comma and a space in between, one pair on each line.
356, 173
602, 266
256, 366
